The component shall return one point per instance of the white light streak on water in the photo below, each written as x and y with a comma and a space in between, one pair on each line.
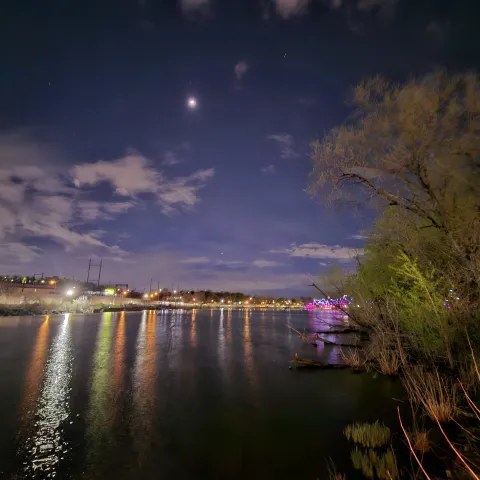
48, 447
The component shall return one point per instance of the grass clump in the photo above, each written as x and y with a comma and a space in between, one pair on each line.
374, 464
436, 394
421, 442
368, 434
352, 357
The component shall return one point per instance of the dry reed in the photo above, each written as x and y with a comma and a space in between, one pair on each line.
352, 357
437, 395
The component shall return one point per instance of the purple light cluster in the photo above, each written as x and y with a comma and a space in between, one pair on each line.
329, 303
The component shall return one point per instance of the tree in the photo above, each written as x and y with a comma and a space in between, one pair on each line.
414, 148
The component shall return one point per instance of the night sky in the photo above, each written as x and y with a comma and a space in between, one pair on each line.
171, 138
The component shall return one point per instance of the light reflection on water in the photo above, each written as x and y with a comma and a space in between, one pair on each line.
144, 386
118, 376
170, 395
35, 372
193, 330
100, 413
47, 447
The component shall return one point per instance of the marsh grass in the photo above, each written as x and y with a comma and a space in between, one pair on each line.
371, 463
368, 434
352, 357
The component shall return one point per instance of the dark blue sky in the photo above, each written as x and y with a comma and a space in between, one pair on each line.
100, 155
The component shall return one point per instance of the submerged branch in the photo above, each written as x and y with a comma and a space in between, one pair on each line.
316, 337
304, 362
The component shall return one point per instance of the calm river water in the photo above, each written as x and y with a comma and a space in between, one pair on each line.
175, 395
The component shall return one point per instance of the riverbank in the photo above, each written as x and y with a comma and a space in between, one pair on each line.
28, 309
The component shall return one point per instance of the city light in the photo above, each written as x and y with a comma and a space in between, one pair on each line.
145, 295
51, 282
69, 292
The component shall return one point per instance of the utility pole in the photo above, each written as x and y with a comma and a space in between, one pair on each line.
92, 265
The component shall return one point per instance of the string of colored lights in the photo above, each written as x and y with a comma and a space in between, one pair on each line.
330, 303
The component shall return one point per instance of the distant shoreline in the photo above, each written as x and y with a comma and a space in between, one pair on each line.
24, 310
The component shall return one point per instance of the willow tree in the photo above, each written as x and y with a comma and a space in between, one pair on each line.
413, 148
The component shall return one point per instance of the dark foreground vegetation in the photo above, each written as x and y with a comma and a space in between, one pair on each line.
413, 151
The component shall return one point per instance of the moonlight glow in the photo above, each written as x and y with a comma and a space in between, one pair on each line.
192, 103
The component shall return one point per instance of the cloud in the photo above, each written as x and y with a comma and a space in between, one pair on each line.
286, 144
266, 263
134, 174
319, 250
290, 8
92, 210
182, 191
269, 170
190, 6
358, 237
171, 158
40, 202
129, 175
17, 252
385, 8
195, 260
241, 68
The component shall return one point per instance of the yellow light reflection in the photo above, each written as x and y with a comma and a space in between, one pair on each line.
229, 326
247, 348
193, 331
34, 375
144, 404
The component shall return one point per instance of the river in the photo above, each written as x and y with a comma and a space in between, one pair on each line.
176, 395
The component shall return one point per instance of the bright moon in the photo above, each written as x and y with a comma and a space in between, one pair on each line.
192, 103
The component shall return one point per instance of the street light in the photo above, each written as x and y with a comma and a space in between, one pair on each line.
69, 292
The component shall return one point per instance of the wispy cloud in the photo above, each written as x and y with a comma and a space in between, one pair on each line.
269, 170
171, 158
290, 8
190, 6
286, 144
319, 250
358, 236
241, 69
260, 263
16, 252
195, 260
